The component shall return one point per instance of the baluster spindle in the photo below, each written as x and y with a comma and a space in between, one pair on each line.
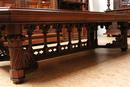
45, 28
30, 29
69, 30
87, 29
30, 61
79, 29
58, 28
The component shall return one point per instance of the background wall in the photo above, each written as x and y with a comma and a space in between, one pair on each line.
99, 5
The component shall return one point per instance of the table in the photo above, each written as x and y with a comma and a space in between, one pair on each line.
12, 21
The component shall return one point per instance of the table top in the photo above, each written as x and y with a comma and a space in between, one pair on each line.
27, 15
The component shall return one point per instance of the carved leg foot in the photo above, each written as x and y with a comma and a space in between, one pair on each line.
17, 76
18, 81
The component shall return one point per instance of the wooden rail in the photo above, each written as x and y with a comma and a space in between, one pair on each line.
23, 57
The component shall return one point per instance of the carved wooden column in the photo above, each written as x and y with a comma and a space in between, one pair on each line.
123, 42
16, 53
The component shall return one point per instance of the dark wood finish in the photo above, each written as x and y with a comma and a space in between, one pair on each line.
91, 35
45, 29
41, 15
79, 29
69, 29
58, 28
39, 4
15, 19
124, 28
16, 54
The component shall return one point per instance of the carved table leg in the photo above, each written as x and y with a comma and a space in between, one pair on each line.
91, 35
16, 53
123, 42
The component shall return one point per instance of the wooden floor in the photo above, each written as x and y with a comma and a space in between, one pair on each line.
96, 68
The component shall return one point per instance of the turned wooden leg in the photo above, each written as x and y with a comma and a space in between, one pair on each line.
91, 36
17, 58
123, 42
